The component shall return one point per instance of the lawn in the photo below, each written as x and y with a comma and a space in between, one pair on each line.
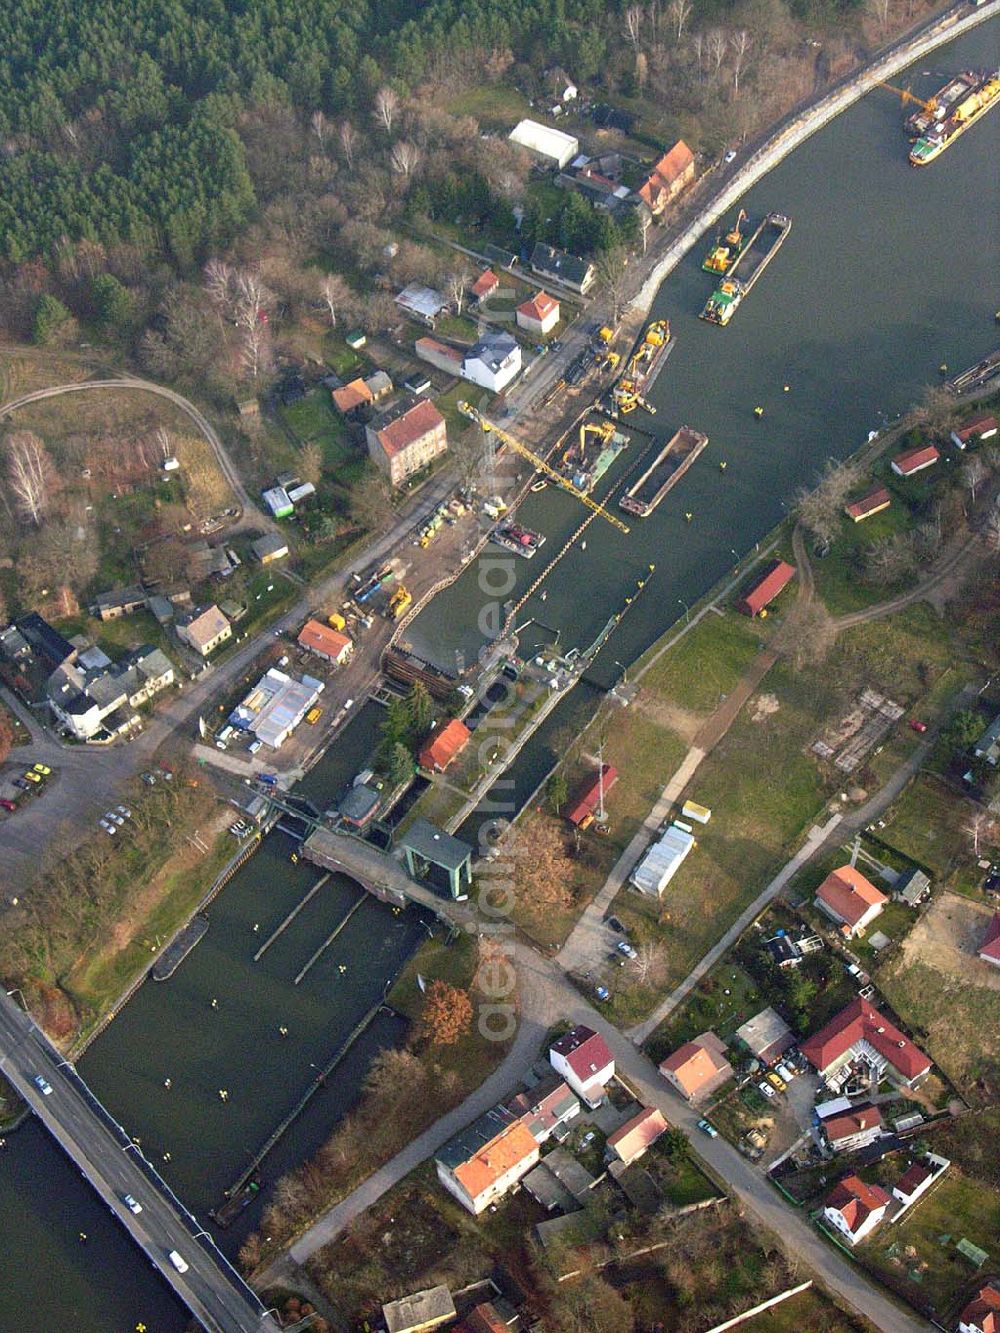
926, 824
447, 405
707, 662
810, 1310
724, 999
839, 576
918, 1257
492, 104
314, 419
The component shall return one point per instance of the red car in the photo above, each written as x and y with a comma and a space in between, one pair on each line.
8, 805
917, 725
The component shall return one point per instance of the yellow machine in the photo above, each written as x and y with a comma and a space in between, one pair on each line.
337, 621
606, 335
399, 602
602, 429
627, 393
540, 464
611, 361
906, 96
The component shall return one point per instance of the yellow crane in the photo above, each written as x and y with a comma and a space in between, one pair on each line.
473, 414
906, 96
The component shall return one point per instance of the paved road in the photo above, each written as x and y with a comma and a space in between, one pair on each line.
114, 1166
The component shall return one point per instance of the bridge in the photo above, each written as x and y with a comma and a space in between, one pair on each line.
209, 1286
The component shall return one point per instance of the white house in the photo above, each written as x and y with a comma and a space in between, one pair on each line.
582, 1057
87, 700
917, 1179
539, 315
480, 1164
855, 1209
493, 361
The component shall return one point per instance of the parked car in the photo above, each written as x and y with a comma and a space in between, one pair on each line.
602, 992
124, 810
785, 1071
730, 155
113, 817
8, 805
615, 924
32, 776
917, 725
22, 785
708, 1129
777, 1082
254, 746
766, 1089
43, 769
44, 1087
624, 947
106, 826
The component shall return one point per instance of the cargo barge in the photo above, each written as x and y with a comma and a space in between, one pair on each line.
950, 113
664, 472
644, 365
175, 952
522, 541
586, 461
758, 252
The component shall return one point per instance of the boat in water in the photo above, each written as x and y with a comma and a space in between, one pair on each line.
727, 248
664, 472
522, 541
643, 366
741, 276
588, 458
953, 110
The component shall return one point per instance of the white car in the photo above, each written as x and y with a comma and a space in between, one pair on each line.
106, 826
624, 947
124, 811
730, 155
133, 1205
766, 1089
113, 818
44, 1088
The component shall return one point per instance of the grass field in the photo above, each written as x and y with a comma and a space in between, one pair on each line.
707, 662
314, 419
839, 576
811, 1311
491, 104
926, 824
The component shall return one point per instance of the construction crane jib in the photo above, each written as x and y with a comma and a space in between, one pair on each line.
559, 480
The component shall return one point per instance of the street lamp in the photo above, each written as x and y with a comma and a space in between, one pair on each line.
687, 609
624, 669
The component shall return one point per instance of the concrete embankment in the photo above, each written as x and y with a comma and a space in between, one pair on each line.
790, 135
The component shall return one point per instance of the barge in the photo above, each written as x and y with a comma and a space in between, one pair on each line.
950, 113
179, 948
665, 471
522, 541
586, 461
741, 276
644, 365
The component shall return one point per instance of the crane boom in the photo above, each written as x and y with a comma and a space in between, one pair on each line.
468, 410
905, 96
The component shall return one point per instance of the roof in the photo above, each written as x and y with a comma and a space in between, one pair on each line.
270, 544
410, 421
855, 1200
570, 1173
662, 860
984, 1309
44, 640
436, 348
913, 1177
539, 307
121, 597
586, 802
379, 382
434, 845
352, 395
584, 1050
206, 625
485, 1319
854, 1121
513, 1146
871, 503
912, 885
990, 947
420, 300
558, 264
637, 1134
696, 1064
443, 745
861, 1021
485, 283
670, 166
981, 426
912, 460
545, 141
323, 638
764, 1031
543, 1108
493, 349
359, 803
423, 1309
848, 893
767, 587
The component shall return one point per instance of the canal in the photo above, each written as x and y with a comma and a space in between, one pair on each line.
888, 272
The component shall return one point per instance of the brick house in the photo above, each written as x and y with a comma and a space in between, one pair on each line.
406, 438
849, 899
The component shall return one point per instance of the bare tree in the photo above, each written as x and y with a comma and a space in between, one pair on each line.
458, 282
890, 559
980, 828
633, 25
218, 282
644, 219
974, 473
716, 42
335, 293
405, 158
879, 10
819, 509
611, 272
320, 126
807, 635
936, 413
740, 42
648, 960
30, 475
991, 532
698, 44
386, 106
250, 310
680, 12
348, 137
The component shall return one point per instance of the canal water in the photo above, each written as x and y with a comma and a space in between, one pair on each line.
888, 272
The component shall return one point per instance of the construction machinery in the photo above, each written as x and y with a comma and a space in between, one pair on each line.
642, 369
726, 249
906, 97
399, 603
539, 463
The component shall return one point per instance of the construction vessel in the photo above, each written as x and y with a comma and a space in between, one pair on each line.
727, 248
522, 541
586, 460
664, 472
941, 122
644, 365
758, 252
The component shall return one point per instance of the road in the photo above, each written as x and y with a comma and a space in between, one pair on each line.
214, 1293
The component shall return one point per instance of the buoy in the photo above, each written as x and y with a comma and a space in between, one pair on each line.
256, 927
583, 546
723, 465
788, 388
168, 1082
215, 1004
758, 412
689, 516
943, 368
544, 594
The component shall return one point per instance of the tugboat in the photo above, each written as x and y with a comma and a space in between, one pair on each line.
727, 249
522, 541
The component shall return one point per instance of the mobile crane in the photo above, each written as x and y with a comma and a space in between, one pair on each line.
540, 464
906, 96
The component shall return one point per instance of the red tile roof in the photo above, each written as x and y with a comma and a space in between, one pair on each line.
984, 1309
849, 894
854, 1121
443, 745
484, 1319
485, 283
983, 427
670, 166
442, 349
912, 460
323, 639
767, 588
539, 307
586, 803
990, 947
855, 1200
512, 1147
635, 1136
694, 1065
418, 421
869, 504
912, 1178
585, 1051
861, 1021
351, 395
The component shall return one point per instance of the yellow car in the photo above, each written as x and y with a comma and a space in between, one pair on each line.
777, 1082
314, 715
41, 768
32, 776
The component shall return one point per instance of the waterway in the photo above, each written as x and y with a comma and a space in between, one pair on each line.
888, 272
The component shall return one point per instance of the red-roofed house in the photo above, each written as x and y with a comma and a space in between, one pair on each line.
631, 1140
442, 745
913, 1182
860, 1033
582, 1057
855, 1208
407, 438
673, 172
581, 812
847, 1131
478, 1169
977, 430
538, 315
698, 1067
850, 900
766, 588
915, 460
326, 642
485, 285
872, 503
353, 395
547, 1106
982, 1314
989, 950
